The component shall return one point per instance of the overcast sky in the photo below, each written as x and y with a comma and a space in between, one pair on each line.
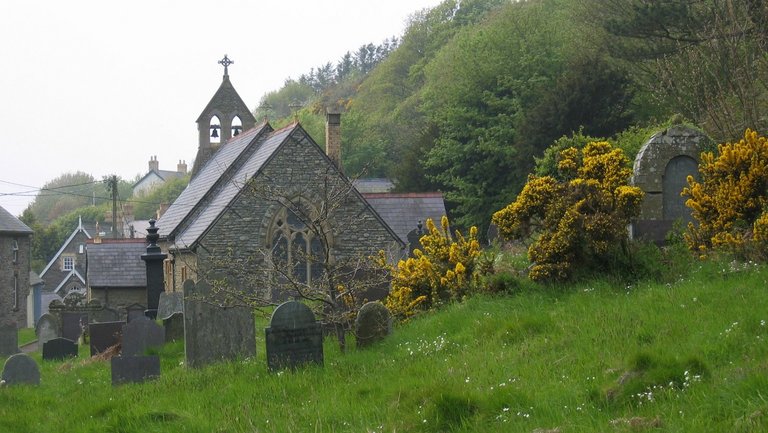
100, 86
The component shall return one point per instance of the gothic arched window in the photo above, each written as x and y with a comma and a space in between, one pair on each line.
295, 247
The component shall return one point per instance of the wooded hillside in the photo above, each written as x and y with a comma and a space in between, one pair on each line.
475, 90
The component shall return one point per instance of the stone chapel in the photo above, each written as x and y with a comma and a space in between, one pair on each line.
247, 181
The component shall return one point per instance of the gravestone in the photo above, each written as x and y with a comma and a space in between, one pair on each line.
140, 335
212, 333
135, 311
294, 337
660, 170
104, 335
58, 349
47, 328
104, 314
134, 369
21, 369
171, 310
170, 304
72, 324
9, 338
174, 327
373, 323
414, 239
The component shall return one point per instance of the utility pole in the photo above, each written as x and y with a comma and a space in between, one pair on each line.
111, 183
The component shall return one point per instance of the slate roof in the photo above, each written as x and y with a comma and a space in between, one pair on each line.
226, 191
403, 211
11, 224
117, 263
209, 176
371, 185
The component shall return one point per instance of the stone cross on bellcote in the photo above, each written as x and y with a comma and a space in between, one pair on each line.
226, 62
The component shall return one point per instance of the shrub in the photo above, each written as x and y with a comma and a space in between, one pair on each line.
578, 221
443, 271
731, 201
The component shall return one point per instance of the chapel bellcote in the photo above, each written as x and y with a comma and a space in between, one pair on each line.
225, 116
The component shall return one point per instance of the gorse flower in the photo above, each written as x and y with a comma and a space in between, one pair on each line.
730, 202
443, 271
577, 220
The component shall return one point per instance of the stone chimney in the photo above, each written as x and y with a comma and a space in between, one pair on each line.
181, 167
153, 164
161, 210
333, 138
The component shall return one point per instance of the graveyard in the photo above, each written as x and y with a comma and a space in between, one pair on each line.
684, 355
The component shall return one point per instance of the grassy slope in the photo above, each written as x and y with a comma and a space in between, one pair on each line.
538, 360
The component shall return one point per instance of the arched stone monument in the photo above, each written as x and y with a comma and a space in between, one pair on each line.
660, 170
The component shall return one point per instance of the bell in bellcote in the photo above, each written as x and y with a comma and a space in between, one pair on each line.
214, 132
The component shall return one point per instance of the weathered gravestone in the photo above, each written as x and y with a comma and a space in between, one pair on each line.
104, 314
134, 369
171, 311
661, 168
9, 338
104, 335
294, 337
140, 335
373, 323
135, 311
20, 369
213, 333
72, 324
58, 349
47, 328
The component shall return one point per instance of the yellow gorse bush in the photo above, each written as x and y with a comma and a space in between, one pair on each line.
443, 271
576, 220
730, 202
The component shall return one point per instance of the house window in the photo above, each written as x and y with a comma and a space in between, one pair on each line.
15, 292
183, 273
68, 263
168, 274
296, 248
15, 251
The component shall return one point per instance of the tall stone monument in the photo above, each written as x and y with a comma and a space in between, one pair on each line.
154, 261
661, 168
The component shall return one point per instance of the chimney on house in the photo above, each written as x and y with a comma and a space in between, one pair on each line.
161, 210
333, 138
181, 167
153, 164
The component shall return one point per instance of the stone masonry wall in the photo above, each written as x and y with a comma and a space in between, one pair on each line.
119, 298
299, 168
18, 270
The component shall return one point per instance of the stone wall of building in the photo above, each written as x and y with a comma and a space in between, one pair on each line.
300, 169
14, 276
119, 298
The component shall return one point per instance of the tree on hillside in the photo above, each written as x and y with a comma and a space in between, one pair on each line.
477, 90
145, 206
71, 191
708, 60
387, 107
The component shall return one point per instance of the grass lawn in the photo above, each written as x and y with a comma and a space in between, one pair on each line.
688, 356
26, 335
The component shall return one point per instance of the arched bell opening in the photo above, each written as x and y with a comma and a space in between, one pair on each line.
215, 130
237, 126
